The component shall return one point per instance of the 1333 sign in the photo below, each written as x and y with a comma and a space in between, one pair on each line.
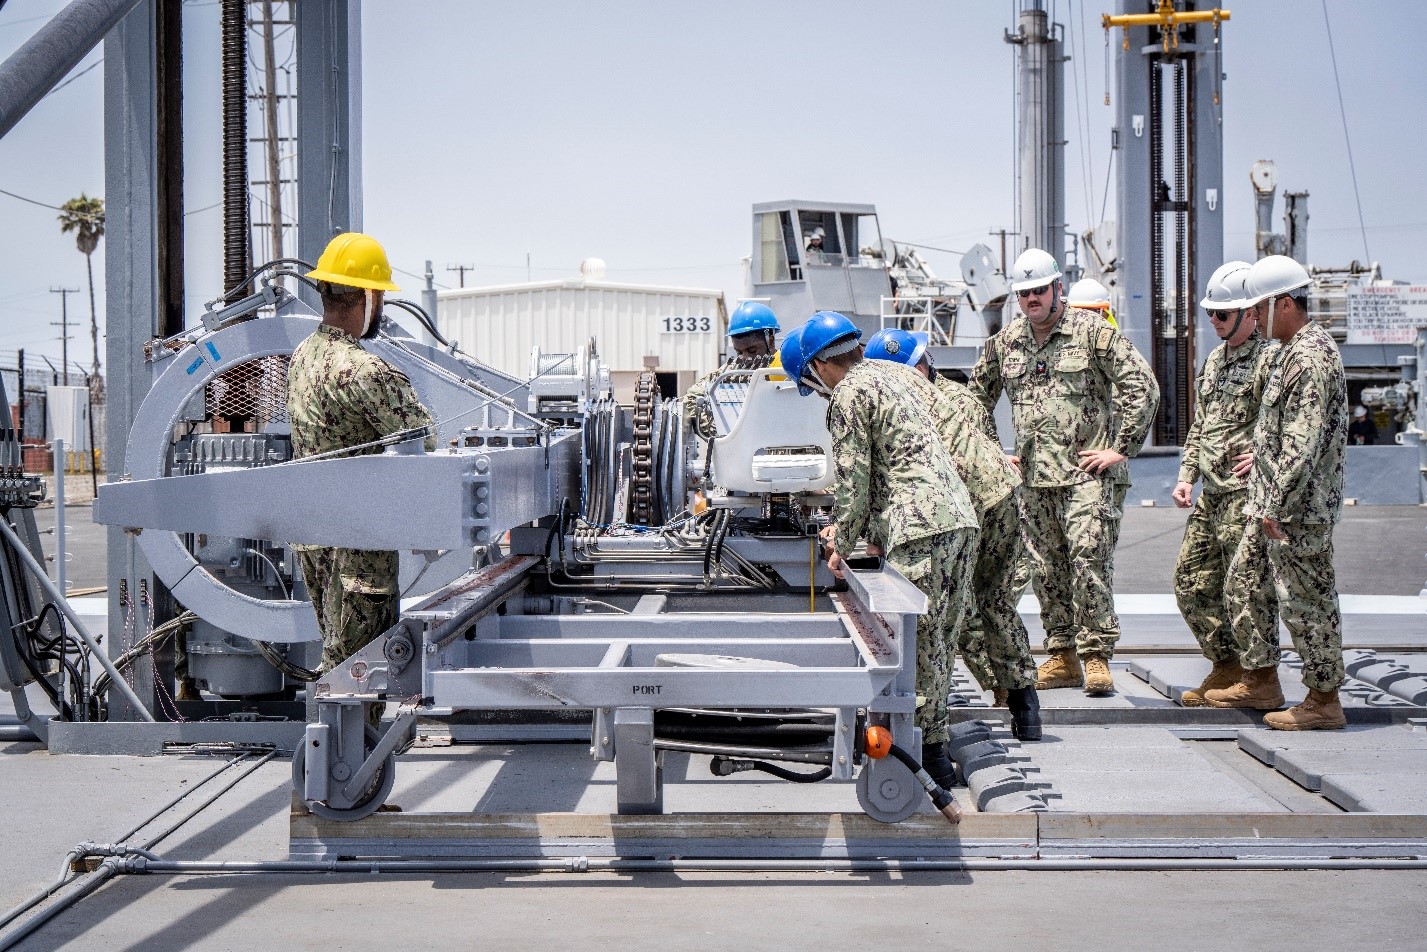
688, 325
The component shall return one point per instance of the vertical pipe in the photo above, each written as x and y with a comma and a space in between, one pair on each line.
1295, 225
274, 138
236, 232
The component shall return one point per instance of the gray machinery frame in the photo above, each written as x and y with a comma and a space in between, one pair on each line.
1168, 131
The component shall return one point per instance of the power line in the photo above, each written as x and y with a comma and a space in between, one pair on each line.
1352, 167
75, 76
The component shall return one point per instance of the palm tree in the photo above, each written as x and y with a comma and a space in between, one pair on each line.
85, 217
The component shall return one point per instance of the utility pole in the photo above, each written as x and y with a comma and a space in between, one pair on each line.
461, 269
63, 325
1003, 233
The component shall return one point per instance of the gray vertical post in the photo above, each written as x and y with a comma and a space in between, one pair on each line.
639, 781
1208, 178
1295, 225
329, 125
1132, 173
60, 525
429, 300
143, 253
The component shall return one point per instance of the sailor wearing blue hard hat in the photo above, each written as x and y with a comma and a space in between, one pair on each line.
752, 333
993, 640
897, 489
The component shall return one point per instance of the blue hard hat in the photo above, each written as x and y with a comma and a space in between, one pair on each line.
823, 330
903, 347
790, 357
750, 317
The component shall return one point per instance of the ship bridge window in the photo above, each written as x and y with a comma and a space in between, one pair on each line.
822, 225
864, 238
777, 250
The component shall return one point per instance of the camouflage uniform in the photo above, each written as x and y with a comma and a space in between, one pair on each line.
1063, 394
339, 395
1221, 580
1300, 444
897, 485
994, 643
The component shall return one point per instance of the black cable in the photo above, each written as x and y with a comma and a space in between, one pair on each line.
279, 661
420, 313
248, 281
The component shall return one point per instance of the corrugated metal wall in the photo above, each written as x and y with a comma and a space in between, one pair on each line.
683, 327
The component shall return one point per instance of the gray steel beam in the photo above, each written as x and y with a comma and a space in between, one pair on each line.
55, 49
132, 262
329, 125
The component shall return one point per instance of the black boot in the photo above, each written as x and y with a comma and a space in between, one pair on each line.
937, 763
1025, 706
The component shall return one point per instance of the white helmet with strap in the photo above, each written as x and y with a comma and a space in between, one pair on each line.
1033, 269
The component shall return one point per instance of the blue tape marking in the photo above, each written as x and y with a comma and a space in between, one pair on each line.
193, 367
213, 350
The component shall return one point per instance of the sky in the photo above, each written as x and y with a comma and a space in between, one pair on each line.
643, 132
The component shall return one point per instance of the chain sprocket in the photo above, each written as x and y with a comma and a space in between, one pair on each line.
641, 496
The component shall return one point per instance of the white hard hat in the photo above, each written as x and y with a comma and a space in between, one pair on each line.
1275, 275
1218, 295
1033, 269
818, 233
1235, 295
1087, 292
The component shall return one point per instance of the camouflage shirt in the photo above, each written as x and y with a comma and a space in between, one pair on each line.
1301, 439
895, 480
972, 408
1228, 394
339, 395
962, 422
1085, 388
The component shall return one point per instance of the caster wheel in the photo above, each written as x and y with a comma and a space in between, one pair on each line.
888, 791
371, 799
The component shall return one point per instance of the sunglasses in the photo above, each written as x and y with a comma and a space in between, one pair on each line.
1030, 292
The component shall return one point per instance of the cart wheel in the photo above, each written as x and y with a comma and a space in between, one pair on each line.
888, 791
371, 799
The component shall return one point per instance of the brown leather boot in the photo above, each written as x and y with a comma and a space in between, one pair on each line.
1224, 674
1097, 675
998, 697
1060, 670
1258, 690
1320, 711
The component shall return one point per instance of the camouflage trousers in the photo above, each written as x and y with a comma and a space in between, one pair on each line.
994, 643
1308, 601
940, 567
1071, 532
354, 594
1223, 585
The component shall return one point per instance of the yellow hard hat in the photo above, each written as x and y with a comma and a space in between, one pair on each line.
356, 260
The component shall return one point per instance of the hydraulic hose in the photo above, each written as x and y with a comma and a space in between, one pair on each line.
943, 800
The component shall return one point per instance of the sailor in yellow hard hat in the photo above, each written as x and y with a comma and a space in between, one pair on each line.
341, 396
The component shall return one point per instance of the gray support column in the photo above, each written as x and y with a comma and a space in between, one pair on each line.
329, 124
1132, 179
1208, 181
131, 189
